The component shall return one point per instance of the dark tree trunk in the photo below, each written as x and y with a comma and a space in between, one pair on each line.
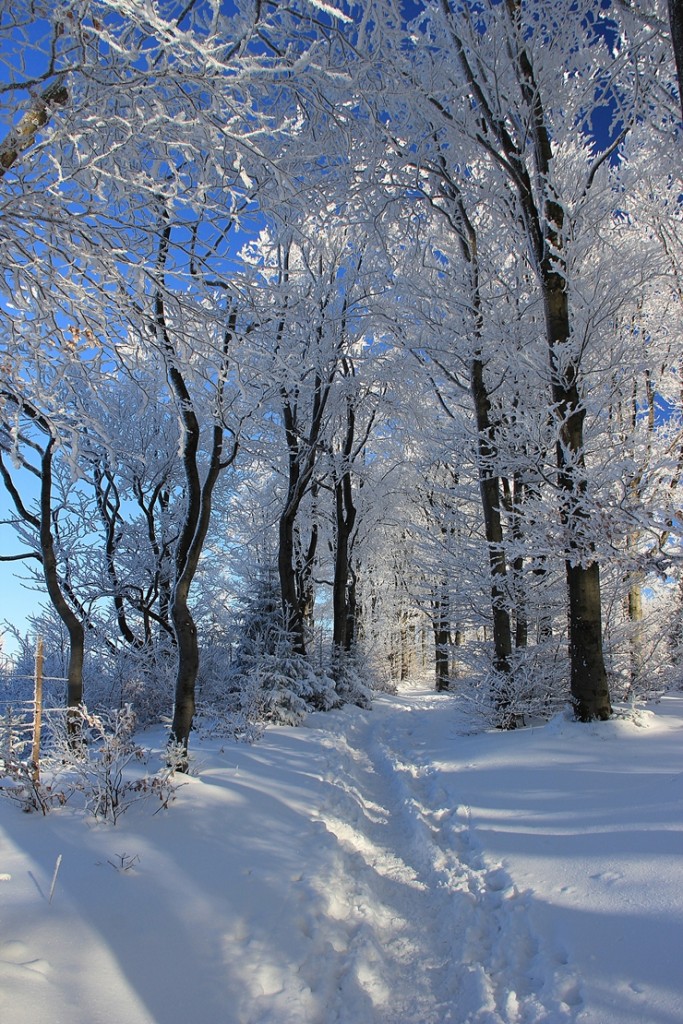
405, 653
302, 457
489, 487
74, 626
489, 482
188, 552
544, 630
305, 587
354, 624
166, 638
442, 641
521, 620
291, 605
514, 502
589, 688
42, 523
344, 596
400, 655
588, 680
187, 652
345, 518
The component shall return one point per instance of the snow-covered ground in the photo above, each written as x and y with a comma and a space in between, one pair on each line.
372, 867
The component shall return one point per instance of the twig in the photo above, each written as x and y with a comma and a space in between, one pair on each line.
54, 878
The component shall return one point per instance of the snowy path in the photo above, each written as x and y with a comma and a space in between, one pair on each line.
372, 867
418, 929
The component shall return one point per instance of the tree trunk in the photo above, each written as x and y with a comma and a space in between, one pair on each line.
301, 465
187, 651
544, 623
198, 507
354, 625
23, 135
588, 677
489, 482
489, 487
546, 228
291, 608
340, 608
518, 587
345, 518
442, 641
589, 688
42, 523
405, 651
305, 587
74, 626
637, 639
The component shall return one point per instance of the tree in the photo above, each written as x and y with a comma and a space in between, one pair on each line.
33, 446
309, 323
133, 475
167, 145
282, 230
198, 492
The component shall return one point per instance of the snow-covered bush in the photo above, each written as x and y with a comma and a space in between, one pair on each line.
269, 680
350, 675
535, 689
145, 680
20, 778
643, 656
93, 765
98, 763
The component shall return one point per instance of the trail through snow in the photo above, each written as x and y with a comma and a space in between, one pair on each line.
430, 932
371, 867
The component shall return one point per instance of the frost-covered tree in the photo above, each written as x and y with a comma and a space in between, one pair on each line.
392, 306
30, 440
121, 197
496, 108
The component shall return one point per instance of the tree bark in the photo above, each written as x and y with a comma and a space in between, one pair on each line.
442, 640
291, 606
21, 137
75, 629
187, 650
489, 487
345, 516
343, 628
302, 456
589, 687
588, 678
489, 481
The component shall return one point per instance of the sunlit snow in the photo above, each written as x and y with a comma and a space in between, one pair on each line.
372, 867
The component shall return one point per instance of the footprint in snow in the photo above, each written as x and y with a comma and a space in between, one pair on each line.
17, 966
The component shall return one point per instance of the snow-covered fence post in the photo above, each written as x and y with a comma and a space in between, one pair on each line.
37, 709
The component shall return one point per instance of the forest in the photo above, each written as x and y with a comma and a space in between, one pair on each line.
341, 341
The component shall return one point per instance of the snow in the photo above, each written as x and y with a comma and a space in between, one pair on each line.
332, 11
370, 867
